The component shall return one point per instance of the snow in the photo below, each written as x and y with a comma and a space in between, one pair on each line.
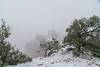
59, 60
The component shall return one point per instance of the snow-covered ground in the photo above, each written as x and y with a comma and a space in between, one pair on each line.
59, 60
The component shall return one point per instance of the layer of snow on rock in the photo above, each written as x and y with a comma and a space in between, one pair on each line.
59, 60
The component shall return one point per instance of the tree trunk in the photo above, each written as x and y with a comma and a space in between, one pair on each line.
45, 54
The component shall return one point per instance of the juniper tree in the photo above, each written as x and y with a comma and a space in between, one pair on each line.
50, 47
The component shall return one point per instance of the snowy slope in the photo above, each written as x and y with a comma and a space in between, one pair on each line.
59, 60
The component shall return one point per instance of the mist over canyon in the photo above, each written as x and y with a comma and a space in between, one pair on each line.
30, 19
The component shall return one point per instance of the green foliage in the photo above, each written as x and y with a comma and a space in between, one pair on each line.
50, 47
84, 35
8, 54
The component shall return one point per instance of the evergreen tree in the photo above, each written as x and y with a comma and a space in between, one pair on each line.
84, 35
4, 44
8, 54
50, 47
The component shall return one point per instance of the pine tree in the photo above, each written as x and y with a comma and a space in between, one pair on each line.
4, 44
8, 54
84, 35
94, 33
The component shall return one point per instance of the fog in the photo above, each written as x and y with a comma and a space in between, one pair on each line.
28, 18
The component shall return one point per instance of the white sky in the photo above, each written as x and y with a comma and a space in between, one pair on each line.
31, 17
